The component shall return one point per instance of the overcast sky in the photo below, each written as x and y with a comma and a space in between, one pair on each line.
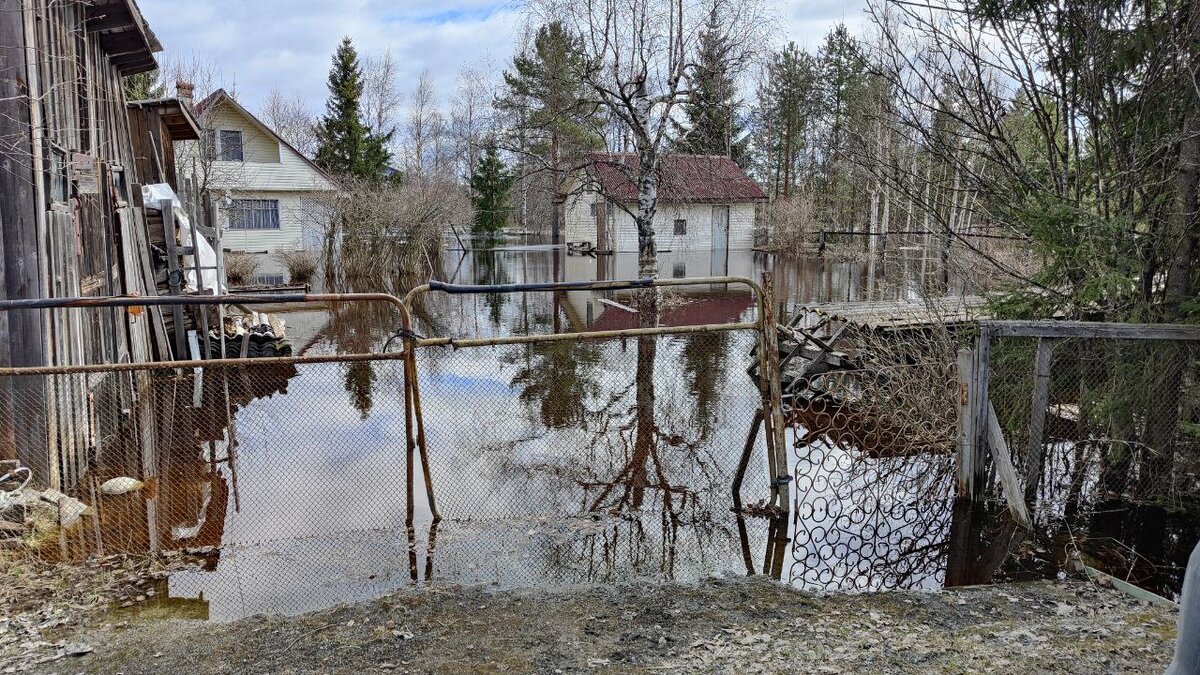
264, 44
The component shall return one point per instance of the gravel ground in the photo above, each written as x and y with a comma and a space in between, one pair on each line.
723, 626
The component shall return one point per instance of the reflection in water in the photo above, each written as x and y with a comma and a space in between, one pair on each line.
360, 379
557, 378
555, 462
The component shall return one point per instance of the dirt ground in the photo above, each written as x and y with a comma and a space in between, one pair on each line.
720, 626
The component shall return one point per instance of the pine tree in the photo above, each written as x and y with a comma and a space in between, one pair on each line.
555, 119
712, 126
144, 87
346, 145
490, 186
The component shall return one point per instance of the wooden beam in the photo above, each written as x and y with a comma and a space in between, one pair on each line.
1005, 471
1088, 329
966, 423
980, 402
24, 334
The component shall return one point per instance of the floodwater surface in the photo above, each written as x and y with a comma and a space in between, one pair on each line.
549, 464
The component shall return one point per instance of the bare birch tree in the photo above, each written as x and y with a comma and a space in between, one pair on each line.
638, 63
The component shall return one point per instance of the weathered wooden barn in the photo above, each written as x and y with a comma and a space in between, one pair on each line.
70, 196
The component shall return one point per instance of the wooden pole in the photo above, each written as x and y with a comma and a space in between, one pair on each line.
981, 411
174, 278
966, 423
1037, 420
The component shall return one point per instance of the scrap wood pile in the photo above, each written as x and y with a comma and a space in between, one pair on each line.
886, 388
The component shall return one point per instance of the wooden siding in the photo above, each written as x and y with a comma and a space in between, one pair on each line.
300, 219
68, 222
269, 165
581, 226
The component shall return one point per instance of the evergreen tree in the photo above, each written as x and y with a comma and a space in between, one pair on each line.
554, 119
144, 87
346, 145
712, 126
490, 186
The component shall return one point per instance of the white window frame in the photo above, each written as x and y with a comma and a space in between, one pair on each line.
251, 215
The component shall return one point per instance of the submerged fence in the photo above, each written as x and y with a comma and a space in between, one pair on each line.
575, 456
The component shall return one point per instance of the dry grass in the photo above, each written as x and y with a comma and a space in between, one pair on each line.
240, 267
301, 265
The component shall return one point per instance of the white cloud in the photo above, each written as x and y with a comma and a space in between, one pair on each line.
287, 44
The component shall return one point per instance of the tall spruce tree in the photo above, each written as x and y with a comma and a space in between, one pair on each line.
554, 119
346, 145
490, 186
711, 125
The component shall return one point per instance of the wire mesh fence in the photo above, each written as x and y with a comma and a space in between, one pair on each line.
567, 461
1096, 420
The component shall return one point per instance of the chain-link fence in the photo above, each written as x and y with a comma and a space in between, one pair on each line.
569, 460
1092, 420
1105, 435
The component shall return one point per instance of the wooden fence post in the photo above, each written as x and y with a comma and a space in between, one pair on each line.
773, 406
966, 423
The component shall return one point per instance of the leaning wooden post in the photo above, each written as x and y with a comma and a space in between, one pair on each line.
773, 406
966, 423
1037, 420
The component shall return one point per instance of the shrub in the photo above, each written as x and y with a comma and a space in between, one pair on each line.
301, 265
240, 267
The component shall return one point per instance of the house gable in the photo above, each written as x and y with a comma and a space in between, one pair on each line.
268, 161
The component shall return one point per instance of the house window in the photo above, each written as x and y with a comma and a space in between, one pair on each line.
229, 146
254, 214
269, 279
679, 270
680, 226
595, 208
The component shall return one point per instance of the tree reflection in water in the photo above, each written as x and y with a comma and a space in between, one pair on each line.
558, 379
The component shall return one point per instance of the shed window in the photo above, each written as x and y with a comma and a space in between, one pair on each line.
254, 214
680, 226
595, 208
229, 146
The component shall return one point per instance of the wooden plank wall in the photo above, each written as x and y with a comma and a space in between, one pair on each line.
70, 228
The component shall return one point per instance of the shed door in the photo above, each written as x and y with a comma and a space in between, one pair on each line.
720, 240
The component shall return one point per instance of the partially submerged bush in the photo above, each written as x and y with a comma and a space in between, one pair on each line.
301, 265
240, 267
382, 227
793, 223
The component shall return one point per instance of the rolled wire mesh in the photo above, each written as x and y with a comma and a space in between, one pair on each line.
874, 477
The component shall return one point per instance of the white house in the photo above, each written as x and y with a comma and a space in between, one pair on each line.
706, 204
280, 197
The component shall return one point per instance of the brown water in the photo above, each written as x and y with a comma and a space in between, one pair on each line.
534, 457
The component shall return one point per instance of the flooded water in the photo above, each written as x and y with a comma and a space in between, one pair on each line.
543, 470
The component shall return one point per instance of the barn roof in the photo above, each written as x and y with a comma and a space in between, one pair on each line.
123, 35
681, 178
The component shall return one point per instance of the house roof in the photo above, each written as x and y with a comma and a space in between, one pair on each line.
123, 35
681, 178
179, 120
221, 96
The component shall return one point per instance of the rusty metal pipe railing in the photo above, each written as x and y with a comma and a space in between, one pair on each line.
763, 324
189, 300
412, 401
